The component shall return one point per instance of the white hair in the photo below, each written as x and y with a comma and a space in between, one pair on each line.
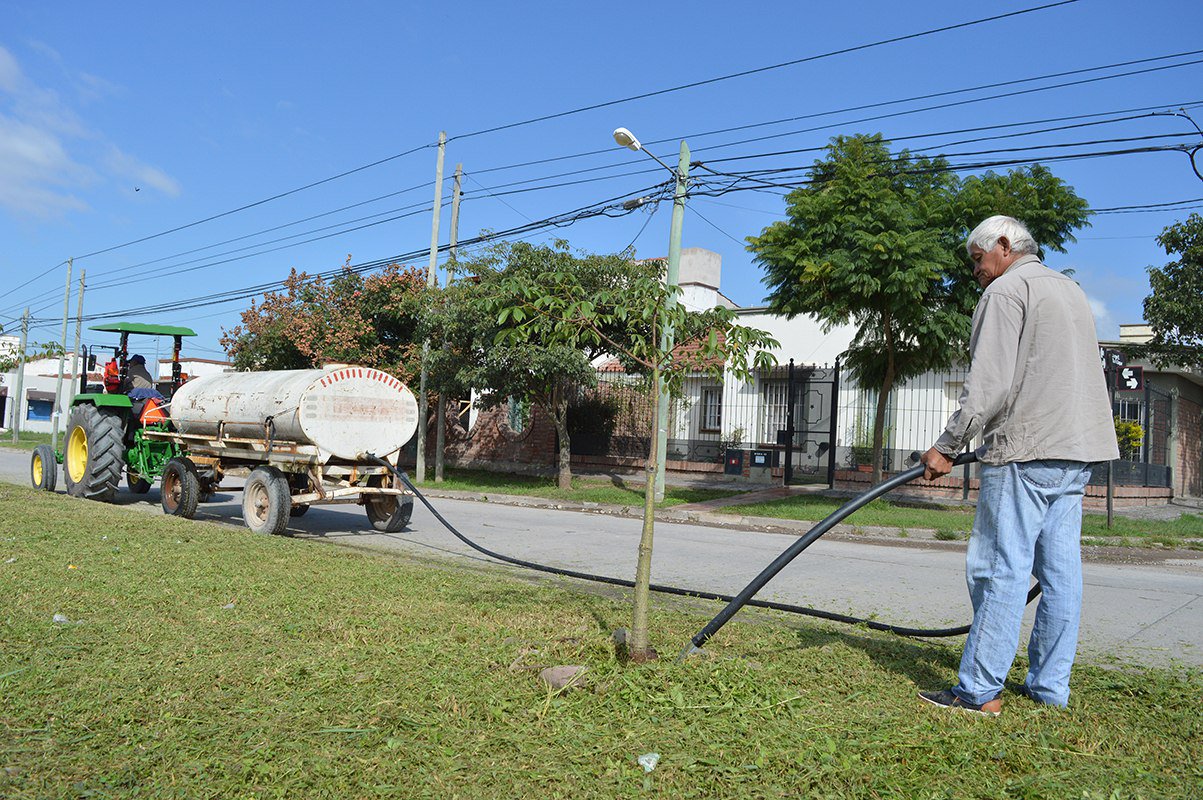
987, 234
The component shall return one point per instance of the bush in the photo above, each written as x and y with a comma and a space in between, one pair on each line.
591, 422
1130, 436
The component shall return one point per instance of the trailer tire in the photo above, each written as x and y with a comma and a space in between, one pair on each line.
43, 469
266, 501
94, 452
180, 490
298, 510
387, 513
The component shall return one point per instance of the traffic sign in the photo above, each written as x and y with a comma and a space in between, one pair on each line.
1130, 379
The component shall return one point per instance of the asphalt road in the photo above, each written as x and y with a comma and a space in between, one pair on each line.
1144, 613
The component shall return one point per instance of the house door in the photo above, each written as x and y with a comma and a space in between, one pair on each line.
808, 435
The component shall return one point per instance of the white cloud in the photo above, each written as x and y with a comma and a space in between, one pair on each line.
48, 154
1105, 326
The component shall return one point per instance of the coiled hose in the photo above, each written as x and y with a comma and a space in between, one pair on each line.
745, 597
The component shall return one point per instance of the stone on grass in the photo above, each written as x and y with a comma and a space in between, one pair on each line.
567, 676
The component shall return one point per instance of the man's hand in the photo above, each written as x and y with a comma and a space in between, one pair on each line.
936, 464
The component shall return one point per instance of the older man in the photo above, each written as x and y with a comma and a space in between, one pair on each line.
1037, 396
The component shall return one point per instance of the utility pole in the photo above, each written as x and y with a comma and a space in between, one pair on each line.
440, 430
77, 361
431, 280
62, 359
20, 373
667, 338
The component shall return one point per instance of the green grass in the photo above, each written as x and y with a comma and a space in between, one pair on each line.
956, 522
27, 440
343, 675
617, 491
953, 522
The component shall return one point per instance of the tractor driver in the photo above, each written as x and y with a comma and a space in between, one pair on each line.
136, 376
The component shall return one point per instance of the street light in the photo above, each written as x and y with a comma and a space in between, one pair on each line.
624, 138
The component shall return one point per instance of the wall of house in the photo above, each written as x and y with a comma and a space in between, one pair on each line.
492, 443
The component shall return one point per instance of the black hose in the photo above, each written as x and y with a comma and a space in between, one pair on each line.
745, 597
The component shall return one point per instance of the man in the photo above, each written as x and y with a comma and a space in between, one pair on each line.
1037, 396
136, 376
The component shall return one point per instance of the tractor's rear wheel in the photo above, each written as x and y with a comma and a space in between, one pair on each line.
43, 470
180, 488
266, 501
94, 455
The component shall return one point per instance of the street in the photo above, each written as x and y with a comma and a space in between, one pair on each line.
1145, 613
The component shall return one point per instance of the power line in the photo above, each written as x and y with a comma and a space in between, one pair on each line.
758, 70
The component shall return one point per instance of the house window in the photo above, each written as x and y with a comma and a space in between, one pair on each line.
1128, 410
712, 409
519, 415
776, 410
39, 410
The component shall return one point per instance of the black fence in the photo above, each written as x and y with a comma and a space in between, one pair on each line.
709, 418
820, 420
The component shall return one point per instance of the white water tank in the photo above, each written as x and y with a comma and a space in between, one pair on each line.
343, 411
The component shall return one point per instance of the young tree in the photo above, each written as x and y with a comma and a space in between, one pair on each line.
877, 241
1173, 310
628, 320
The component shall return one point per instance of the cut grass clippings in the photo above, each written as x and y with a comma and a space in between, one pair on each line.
202, 661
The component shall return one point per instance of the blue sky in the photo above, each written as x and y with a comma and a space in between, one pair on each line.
122, 121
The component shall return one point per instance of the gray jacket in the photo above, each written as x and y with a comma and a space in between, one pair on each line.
1035, 388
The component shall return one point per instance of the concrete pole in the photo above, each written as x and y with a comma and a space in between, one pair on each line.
77, 361
431, 281
62, 359
440, 423
20, 385
666, 340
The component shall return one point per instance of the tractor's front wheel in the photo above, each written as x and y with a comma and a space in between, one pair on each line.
94, 455
136, 483
43, 469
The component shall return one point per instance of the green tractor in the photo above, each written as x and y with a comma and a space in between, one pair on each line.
105, 431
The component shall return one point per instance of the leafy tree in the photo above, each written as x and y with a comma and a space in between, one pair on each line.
1173, 309
537, 367
351, 318
33, 352
628, 320
877, 241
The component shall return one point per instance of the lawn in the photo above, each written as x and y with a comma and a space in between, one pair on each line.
202, 661
27, 440
955, 522
618, 491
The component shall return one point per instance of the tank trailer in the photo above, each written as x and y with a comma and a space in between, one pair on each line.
300, 438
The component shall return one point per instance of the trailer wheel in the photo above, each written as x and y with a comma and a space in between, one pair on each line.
389, 513
180, 488
266, 501
43, 470
298, 510
136, 483
94, 455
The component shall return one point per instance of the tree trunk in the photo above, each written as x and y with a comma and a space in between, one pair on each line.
559, 414
883, 398
638, 645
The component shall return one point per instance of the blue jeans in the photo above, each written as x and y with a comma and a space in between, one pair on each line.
1028, 522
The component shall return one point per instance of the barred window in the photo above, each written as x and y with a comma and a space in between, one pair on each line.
712, 408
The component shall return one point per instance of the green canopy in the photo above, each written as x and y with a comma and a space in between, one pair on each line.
138, 327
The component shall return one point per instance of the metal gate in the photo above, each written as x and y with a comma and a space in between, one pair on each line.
810, 424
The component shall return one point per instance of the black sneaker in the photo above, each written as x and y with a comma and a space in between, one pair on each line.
946, 699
